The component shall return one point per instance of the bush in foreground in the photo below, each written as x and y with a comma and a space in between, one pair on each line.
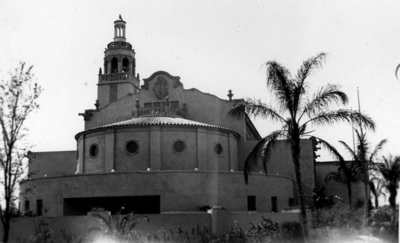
264, 231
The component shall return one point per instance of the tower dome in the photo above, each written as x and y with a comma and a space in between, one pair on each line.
119, 29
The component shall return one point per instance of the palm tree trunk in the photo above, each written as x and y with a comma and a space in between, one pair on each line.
366, 197
300, 192
349, 193
392, 197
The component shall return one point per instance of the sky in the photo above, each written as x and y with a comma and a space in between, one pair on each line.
213, 46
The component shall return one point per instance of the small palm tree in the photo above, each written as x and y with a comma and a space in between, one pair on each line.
376, 186
390, 171
346, 174
297, 113
118, 225
363, 162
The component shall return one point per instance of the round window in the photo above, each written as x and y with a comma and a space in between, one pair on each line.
179, 146
94, 150
218, 149
132, 147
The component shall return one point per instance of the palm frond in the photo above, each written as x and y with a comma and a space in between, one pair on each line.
105, 222
347, 172
377, 188
323, 98
350, 151
362, 146
134, 221
306, 69
390, 169
254, 108
310, 65
335, 176
280, 83
342, 115
377, 149
331, 149
261, 151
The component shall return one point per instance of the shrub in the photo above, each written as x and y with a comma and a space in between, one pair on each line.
338, 216
291, 231
43, 234
265, 231
384, 223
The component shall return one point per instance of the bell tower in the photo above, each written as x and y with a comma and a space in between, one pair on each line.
119, 77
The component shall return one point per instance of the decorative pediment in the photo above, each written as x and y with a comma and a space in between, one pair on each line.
162, 81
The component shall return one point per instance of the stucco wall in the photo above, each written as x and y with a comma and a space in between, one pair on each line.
214, 161
156, 149
245, 218
130, 162
53, 163
201, 106
281, 163
334, 188
171, 160
94, 164
179, 191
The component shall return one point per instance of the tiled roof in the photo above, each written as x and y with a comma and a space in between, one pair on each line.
155, 120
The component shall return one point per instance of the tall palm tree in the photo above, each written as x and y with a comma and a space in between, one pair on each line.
376, 186
297, 113
390, 171
363, 161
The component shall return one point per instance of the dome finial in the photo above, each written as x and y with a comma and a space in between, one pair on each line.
120, 17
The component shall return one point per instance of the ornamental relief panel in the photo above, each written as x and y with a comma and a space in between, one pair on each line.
161, 88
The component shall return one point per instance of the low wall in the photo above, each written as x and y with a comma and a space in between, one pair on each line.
23, 228
245, 218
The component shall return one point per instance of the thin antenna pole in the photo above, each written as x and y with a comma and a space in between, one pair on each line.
358, 96
366, 171
359, 109
352, 132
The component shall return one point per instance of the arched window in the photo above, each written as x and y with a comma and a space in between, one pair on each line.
105, 66
125, 65
114, 65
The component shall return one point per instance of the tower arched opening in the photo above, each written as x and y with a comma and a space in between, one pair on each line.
105, 66
125, 65
114, 65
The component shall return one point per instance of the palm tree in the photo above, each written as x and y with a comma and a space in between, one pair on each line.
363, 161
390, 171
297, 114
118, 225
346, 174
377, 189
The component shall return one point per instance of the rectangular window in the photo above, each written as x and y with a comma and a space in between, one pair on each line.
39, 207
251, 203
148, 105
113, 92
26, 205
175, 104
274, 204
291, 202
